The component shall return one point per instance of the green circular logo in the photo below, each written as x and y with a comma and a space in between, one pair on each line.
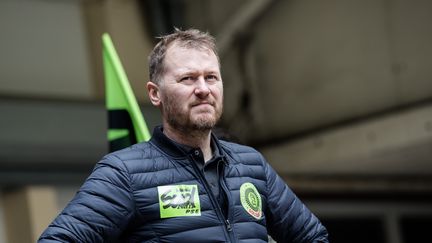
251, 200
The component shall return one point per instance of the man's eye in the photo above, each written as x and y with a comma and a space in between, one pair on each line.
211, 77
187, 78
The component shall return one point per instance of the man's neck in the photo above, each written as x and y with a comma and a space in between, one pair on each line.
196, 139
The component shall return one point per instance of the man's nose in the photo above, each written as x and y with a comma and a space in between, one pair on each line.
202, 87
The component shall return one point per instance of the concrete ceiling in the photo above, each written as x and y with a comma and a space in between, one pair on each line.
306, 65
332, 88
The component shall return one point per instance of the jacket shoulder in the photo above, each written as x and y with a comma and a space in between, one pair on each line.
131, 159
136, 151
239, 151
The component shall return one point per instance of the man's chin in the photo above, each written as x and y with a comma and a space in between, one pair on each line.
204, 123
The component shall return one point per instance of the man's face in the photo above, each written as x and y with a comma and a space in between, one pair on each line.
191, 90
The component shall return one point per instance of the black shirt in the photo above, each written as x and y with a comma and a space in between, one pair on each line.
211, 170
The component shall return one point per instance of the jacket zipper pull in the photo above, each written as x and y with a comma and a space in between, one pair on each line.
228, 225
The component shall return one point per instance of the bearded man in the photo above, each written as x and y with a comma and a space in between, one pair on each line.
185, 185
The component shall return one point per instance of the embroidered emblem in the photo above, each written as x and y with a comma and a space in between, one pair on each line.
251, 200
178, 201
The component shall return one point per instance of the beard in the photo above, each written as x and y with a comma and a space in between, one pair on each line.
191, 119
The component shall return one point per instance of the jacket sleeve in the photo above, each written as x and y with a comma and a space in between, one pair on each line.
288, 219
101, 209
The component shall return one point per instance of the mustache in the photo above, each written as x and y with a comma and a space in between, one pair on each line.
202, 102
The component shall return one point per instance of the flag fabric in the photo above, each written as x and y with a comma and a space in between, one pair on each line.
126, 125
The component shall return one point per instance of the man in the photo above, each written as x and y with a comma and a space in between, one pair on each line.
185, 185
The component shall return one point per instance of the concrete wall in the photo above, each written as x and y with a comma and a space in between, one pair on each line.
44, 50
2, 220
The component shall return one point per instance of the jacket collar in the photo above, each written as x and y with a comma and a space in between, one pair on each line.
173, 149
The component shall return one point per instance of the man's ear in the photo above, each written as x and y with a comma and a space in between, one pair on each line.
154, 93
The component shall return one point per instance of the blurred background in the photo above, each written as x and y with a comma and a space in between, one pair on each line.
336, 94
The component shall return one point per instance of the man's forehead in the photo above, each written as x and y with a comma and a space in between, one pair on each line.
181, 56
184, 47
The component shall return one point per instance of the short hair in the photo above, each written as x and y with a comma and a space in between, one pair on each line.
191, 38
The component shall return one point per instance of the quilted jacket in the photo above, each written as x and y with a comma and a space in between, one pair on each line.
154, 192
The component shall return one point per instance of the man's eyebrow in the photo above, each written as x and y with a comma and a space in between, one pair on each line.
186, 73
212, 72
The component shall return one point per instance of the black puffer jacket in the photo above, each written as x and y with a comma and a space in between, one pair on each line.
154, 192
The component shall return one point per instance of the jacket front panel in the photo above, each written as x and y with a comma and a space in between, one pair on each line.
149, 224
210, 226
237, 173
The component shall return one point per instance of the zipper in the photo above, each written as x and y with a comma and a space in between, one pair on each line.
228, 227
228, 198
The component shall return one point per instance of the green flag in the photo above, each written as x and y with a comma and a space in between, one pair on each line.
126, 125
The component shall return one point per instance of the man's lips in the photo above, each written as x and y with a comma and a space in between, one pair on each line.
203, 103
